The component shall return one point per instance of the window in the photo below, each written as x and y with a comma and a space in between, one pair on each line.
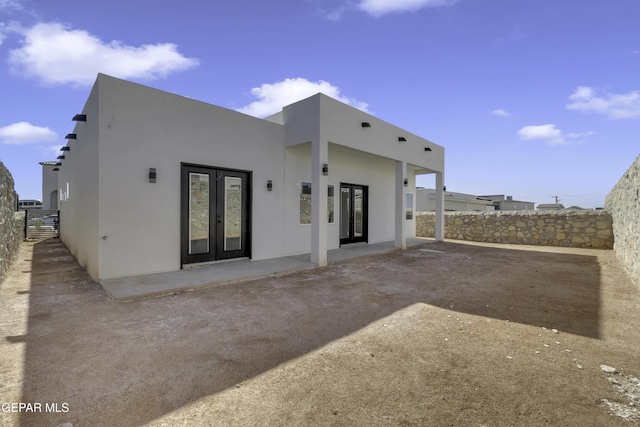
409, 207
305, 203
330, 204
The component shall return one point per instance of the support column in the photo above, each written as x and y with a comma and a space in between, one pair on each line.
439, 206
319, 157
401, 224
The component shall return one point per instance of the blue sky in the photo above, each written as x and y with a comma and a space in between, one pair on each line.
532, 99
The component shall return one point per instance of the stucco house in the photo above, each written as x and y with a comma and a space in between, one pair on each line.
550, 206
50, 184
151, 181
506, 203
426, 199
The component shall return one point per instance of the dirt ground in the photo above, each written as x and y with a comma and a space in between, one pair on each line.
443, 334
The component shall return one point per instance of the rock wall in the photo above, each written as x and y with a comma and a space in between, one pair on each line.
623, 201
582, 229
11, 222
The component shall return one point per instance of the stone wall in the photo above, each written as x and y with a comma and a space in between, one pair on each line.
580, 228
623, 201
11, 222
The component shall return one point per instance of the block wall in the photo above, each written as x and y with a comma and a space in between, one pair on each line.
623, 201
11, 222
582, 229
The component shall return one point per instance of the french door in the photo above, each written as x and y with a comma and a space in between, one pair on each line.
215, 212
353, 213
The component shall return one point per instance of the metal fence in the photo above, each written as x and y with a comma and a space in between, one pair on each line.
41, 224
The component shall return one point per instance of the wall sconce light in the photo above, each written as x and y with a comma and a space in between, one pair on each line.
402, 139
427, 149
65, 148
80, 118
444, 188
55, 169
152, 175
270, 185
71, 136
406, 182
366, 124
61, 157
325, 169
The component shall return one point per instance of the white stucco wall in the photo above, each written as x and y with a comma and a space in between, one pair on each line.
342, 124
78, 189
147, 128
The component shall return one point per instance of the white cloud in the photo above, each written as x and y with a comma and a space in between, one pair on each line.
382, 7
547, 132
10, 4
551, 134
57, 55
272, 97
580, 134
612, 105
55, 149
514, 36
25, 133
501, 112
336, 14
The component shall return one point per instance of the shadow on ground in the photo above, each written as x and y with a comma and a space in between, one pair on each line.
129, 364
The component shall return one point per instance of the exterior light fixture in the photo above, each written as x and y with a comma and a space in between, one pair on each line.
325, 169
65, 148
61, 157
80, 118
70, 136
152, 175
406, 182
269, 185
402, 139
366, 124
427, 149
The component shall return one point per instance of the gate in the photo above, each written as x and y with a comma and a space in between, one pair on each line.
41, 224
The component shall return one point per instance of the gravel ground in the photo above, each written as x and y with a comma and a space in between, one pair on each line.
444, 334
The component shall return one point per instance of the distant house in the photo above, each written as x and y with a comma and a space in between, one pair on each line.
152, 182
49, 185
29, 204
426, 201
550, 206
506, 203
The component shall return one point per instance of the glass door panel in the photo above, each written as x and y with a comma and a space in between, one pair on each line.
357, 212
345, 209
232, 213
199, 213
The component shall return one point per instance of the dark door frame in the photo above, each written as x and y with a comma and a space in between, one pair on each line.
365, 214
216, 213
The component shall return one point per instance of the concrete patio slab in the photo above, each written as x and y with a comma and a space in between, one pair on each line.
225, 273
